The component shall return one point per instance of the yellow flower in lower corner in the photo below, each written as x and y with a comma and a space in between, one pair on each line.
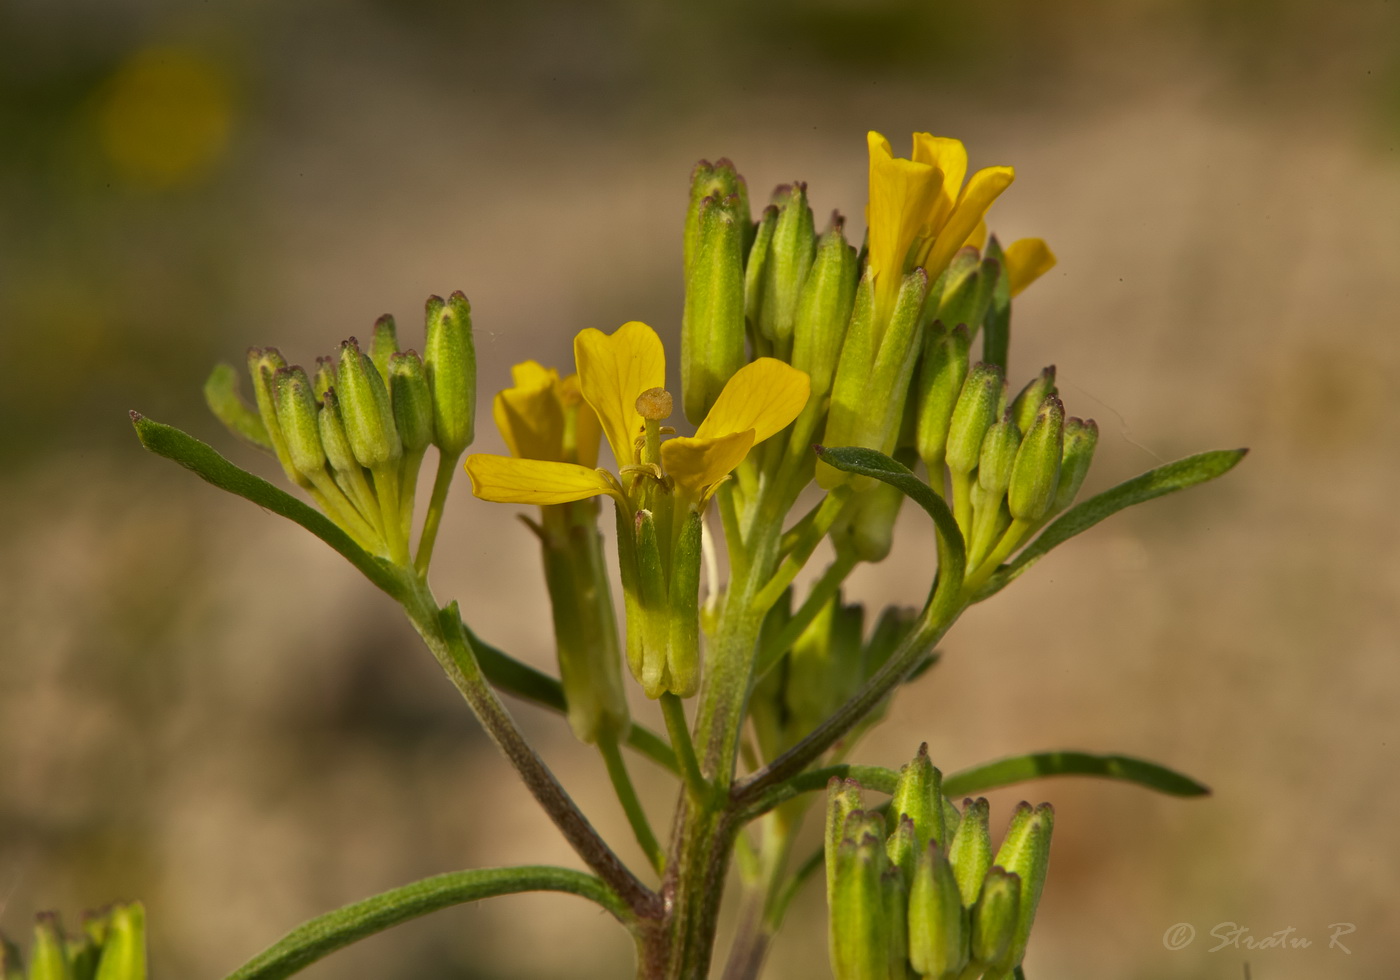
614, 370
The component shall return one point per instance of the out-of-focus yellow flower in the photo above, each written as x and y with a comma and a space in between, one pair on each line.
1027, 259
920, 213
614, 370
543, 416
166, 115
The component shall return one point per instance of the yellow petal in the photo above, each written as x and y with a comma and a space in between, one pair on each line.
950, 157
613, 369
697, 464
902, 195
529, 415
587, 433
978, 238
765, 396
1027, 259
984, 188
507, 480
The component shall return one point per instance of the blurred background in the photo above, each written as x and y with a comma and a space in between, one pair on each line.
203, 707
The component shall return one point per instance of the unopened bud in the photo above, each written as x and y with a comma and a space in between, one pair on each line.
967, 291
790, 257
1028, 402
974, 414
824, 309
937, 922
941, 377
1081, 438
998, 456
263, 365
843, 797
124, 951
717, 180
1036, 475
970, 852
994, 921
919, 796
449, 360
755, 264
365, 409
902, 846
334, 441
996, 332
412, 401
48, 956
324, 378
383, 345
859, 930
1025, 851
296, 417
866, 527
712, 325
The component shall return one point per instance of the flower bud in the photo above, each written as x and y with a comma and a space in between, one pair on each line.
712, 326
894, 889
334, 441
790, 256
919, 796
843, 797
967, 290
1081, 438
859, 929
365, 409
383, 345
1025, 852
866, 528
941, 377
994, 467
296, 417
937, 923
263, 365
449, 360
824, 309
755, 264
48, 956
1028, 402
973, 415
324, 378
996, 332
970, 852
994, 921
683, 653
718, 180
902, 847
412, 401
124, 952
1036, 474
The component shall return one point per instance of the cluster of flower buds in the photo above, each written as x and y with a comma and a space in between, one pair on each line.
917, 892
827, 663
111, 946
354, 433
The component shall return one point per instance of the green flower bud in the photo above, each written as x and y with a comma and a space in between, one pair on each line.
859, 929
755, 266
967, 290
785, 271
683, 654
383, 344
970, 852
994, 921
973, 415
296, 417
1081, 438
866, 528
718, 180
938, 924
996, 335
995, 463
124, 952
941, 375
1036, 474
1025, 852
365, 409
919, 796
324, 378
902, 846
412, 401
263, 365
712, 326
824, 309
84, 954
48, 956
843, 798
240, 418
1028, 402
894, 889
449, 358
334, 441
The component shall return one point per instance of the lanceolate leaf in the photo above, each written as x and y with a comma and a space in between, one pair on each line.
325, 934
1154, 483
1038, 765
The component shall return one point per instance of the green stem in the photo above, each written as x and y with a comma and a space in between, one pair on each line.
446, 468
802, 549
822, 591
631, 805
386, 488
673, 710
327, 933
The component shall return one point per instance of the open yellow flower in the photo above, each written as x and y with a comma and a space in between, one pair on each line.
920, 213
614, 369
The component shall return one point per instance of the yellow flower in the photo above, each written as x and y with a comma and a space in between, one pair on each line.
543, 417
920, 213
1027, 259
759, 401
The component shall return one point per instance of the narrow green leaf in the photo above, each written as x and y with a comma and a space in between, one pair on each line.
1038, 765
1166, 479
325, 934
189, 452
873, 463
